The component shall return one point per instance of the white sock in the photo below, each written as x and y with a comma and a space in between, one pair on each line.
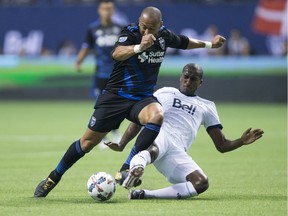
142, 158
176, 191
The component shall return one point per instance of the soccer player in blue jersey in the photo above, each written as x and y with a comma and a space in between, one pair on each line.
138, 55
100, 38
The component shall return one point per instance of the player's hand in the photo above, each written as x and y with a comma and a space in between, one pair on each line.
147, 41
250, 136
218, 41
114, 146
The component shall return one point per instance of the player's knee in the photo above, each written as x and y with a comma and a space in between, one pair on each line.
87, 144
199, 181
157, 117
201, 184
154, 152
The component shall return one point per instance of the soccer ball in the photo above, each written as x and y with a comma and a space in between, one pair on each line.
101, 186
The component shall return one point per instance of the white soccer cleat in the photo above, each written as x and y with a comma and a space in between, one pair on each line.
134, 174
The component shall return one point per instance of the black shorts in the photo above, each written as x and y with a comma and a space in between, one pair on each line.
100, 83
111, 110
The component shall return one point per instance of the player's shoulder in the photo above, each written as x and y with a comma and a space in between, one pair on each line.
205, 101
133, 27
165, 31
166, 90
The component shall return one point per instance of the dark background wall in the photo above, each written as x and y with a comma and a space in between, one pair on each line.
61, 23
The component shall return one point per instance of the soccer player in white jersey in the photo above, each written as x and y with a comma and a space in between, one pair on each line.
184, 113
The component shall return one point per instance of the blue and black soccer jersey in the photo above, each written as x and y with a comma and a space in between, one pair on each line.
102, 40
136, 77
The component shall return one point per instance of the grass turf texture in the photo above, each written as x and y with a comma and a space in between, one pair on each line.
34, 135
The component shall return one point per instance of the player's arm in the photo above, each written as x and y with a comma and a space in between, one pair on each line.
131, 131
122, 53
217, 42
224, 145
80, 57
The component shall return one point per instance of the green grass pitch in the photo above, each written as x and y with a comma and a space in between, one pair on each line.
34, 135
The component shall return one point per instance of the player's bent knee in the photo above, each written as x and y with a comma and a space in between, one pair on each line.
199, 180
201, 185
87, 145
154, 152
90, 139
157, 117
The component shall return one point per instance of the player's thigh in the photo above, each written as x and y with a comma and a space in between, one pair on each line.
110, 111
176, 166
147, 110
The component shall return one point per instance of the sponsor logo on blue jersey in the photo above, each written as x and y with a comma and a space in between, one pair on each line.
152, 57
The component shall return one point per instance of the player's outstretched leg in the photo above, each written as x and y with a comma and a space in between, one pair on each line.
144, 140
73, 154
197, 183
176, 191
76, 151
137, 166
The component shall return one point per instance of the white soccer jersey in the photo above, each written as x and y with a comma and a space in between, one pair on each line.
183, 115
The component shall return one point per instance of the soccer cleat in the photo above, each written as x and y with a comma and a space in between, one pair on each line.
136, 194
122, 175
133, 177
44, 187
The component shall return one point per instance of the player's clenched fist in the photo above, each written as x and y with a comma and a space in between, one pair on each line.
218, 41
147, 41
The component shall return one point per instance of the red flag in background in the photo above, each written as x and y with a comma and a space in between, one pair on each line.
271, 17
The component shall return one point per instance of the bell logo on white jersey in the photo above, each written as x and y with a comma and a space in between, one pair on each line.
177, 103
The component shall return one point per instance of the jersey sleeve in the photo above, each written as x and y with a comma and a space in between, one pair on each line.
177, 41
89, 40
211, 118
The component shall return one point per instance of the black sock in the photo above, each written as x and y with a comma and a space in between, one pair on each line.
73, 154
144, 140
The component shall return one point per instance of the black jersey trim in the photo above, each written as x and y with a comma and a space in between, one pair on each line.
214, 126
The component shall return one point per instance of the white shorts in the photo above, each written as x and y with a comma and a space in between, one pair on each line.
173, 162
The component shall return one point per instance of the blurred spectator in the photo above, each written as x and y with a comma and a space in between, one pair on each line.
277, 45
237, 44
210, 32
67, 48
189, 32
47, 52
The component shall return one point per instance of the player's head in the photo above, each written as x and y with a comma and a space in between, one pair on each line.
190, 79
106, 10
150, 21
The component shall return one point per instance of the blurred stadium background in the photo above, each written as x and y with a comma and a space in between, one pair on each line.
39, 40
45, 104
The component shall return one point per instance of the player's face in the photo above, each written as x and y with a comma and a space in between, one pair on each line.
106, 10
190, 81
149, 25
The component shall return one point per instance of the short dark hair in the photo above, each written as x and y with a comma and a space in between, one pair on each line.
193, 66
